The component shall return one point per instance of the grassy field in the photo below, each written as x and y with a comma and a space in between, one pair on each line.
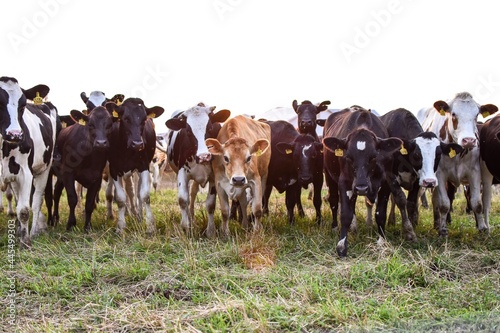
288, 279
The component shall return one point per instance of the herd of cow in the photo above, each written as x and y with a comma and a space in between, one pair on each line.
243, 159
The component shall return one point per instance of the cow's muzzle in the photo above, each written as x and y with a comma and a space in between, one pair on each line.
238, 181
429, 183
14, 136
137, 145
203, 158
361, 189
101, 144
469, 143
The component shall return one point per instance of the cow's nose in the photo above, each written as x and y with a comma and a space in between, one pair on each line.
361, 189
428, 183
14, 136
306, 123
101, 144
469, 143
238, 181
203, 158
137, 145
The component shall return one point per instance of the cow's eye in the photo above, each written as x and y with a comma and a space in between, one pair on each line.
226, 159
249, 158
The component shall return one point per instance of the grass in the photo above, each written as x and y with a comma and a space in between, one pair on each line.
287, 279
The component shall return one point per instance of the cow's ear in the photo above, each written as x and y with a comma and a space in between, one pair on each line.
488, 109
285, 148
40, 90
322, 106
335, 145
259, 147
66, 121
214, 146
176, 124
319, 147
451, 149
79, 117
406, 147
390, 145
295, 105
84, 97
154, 112
114, 110
220, 116
442, 107
118, 99
320, 122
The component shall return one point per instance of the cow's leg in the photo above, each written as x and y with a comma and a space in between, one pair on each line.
224, 208
487, 180
412, 204
92, 191
23, 208
400, 199
423, 198
441, 207
333, 198
58, 187
121, 201
210, 205
451, 190
265, 199
183, 199
72, 194
347, 204
256, 203
39, 223
9, 194
300, 209
290, 200
145, 199
476, 202
193, 192
318, 185
49, 199
391, 220
381, 210
128, 182
109, 199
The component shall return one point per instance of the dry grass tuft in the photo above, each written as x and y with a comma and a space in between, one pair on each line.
259, 252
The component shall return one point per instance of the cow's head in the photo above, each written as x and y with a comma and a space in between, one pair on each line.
98, 123
461, 120
132, 115
98, 98
360, 155
307, 115
238, 157
306, 152
199, 123
12, 103
422, 155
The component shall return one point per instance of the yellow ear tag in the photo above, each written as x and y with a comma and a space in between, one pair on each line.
403, 151
63, 124
118, 102
151, 116
258, 152
38, 100
442, 112
288, 151
81, 122
339, 152
452, 153
485, 114
115, 114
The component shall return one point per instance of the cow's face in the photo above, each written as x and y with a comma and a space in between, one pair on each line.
422, 155
307, 115
12, 103
98, 98
305, 152
199, 123
360, 155
132, 115
98, 124
238, 157
461, 120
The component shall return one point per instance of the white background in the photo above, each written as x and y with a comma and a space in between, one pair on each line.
252, 55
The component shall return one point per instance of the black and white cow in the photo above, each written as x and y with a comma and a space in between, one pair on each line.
415, 164
296, 161
28, 133
358, 161
189, 158
84, 149
455, 121
132, 147
98, 98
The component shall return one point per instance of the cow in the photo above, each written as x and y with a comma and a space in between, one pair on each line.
241, 161
415, 164
307, 116
132, 147
98, 98
84, 147
28, 133
189, 156
296, 161
455, 122
358, 161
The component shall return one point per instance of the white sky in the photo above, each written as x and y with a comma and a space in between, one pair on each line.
252, 55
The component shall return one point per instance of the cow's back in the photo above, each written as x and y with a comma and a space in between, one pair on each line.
402, 124
342, 123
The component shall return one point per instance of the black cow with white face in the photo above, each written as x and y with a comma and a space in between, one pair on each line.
296, 161
98, 98
307, 116
189, 157
132, 147
28, 133
84, 152
416, 163
358, 161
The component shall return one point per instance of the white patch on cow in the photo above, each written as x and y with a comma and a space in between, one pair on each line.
349, 194
428, 150
341, 244
197, 118
305, 149
15, 93
361, 145
97, 98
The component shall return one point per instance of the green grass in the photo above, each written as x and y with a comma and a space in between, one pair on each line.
288, 279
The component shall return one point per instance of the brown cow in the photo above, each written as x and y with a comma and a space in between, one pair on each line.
241, 160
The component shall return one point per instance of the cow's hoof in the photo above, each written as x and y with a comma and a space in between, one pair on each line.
411, 237
443, 233
25, 244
